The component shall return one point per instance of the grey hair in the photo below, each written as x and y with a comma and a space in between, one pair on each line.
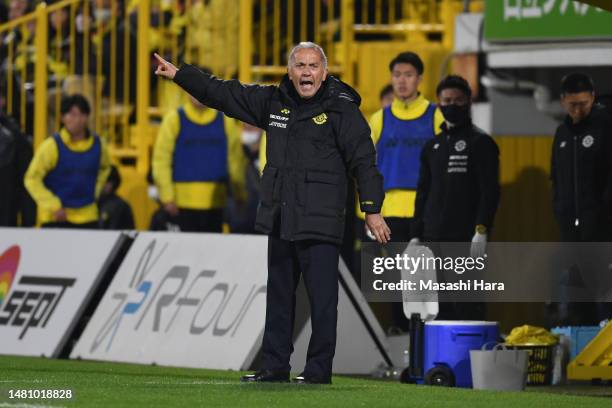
306, 45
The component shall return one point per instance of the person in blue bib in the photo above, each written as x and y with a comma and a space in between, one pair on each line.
68, 170
399, 131
197, 161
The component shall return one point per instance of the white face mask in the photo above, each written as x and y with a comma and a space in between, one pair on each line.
153, 193
249, 137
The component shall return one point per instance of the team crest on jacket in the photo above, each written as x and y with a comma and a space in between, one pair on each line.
588, 141
285, 111
460, 146
562, 144
321, 119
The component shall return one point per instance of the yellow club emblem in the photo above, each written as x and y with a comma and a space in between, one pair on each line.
285, 111
321, 119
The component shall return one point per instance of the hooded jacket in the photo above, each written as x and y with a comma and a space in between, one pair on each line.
313, 148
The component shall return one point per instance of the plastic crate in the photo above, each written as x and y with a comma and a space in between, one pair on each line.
540, 365
579, 337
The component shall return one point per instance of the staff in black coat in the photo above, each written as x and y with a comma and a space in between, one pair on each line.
458, 189
581, 168
316, 139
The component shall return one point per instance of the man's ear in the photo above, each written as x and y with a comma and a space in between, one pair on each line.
325, 74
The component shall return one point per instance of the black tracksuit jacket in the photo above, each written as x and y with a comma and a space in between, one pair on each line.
458, 185
313, 148
581, 175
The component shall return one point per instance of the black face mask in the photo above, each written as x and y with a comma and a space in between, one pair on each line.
456, 114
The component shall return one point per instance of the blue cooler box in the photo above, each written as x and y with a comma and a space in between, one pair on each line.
447, 346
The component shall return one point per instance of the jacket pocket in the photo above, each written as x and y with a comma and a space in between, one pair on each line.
269, 185
323, 194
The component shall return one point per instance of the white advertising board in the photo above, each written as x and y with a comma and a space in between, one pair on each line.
186, 300
46, 280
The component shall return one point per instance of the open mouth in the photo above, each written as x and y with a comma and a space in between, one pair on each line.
306, 84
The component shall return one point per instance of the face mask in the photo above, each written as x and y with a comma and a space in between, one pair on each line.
153, 193
456, 114
249, 137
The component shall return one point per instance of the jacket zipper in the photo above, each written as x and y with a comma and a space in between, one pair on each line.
283, 217
576, 207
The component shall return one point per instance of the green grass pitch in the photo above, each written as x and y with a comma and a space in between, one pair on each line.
98, 384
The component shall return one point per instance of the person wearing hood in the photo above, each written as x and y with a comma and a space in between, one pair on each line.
458, 189
316, 139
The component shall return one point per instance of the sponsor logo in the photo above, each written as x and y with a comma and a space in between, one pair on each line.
283, 118
588, 141
395, 142
9, 261
457, 163
181, 293
33, 298
460, 146
321, 119
274, 122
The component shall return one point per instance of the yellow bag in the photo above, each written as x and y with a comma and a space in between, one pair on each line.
526, 334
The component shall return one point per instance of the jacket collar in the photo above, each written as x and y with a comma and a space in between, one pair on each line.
328, 98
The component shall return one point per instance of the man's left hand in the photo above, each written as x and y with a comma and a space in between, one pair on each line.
378, 227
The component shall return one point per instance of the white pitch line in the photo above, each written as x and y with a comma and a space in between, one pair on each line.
22, 405
19, 381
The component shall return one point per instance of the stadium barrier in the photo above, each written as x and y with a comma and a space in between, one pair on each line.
187, 300
173, 299
47, 280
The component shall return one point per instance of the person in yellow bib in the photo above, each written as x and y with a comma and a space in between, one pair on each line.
197, 156
399, 131
68, 170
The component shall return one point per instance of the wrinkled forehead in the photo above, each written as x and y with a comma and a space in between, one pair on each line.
307, 56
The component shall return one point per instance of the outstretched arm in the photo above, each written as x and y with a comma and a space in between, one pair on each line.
248, 103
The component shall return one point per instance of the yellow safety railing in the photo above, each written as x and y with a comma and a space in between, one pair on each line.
270, 28
70, 47
64, 50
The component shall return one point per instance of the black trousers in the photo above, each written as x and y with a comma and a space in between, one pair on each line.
317, 261
200, 220
590, 229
